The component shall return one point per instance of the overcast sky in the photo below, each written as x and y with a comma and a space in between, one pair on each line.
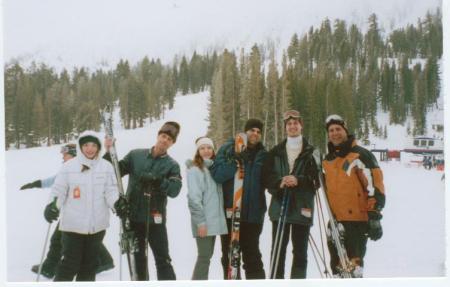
89, 32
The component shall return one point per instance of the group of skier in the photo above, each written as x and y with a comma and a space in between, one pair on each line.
226, 197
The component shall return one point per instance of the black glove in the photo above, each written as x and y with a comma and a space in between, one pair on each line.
375, 231
34, 184
51, 212
148, 178
243, 156
122, 207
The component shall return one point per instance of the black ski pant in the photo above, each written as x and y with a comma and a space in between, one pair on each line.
299, 237
355, 243
80, 253
158, 241
55, 252
249, 244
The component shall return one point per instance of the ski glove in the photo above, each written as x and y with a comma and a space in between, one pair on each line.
243, 156
375, 231
148, 178
121, 207
34, 184
51, 212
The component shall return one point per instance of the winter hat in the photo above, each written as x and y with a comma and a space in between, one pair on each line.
89, 138
335, 120
171, 129
292, 114
69, 149
204, 140
253, 123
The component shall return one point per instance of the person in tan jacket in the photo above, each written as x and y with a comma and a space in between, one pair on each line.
355, 192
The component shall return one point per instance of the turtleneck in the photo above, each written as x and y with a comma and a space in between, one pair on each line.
294, 142
294, 147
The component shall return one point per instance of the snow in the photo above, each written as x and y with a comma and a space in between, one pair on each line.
413, 244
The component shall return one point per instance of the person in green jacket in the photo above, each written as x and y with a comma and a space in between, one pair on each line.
205, 200
290, 169
153, 176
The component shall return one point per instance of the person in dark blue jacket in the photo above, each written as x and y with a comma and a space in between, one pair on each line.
253, 199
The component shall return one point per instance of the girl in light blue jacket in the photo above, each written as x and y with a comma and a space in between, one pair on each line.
205, 205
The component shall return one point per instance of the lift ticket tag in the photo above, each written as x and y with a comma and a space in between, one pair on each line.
76, 192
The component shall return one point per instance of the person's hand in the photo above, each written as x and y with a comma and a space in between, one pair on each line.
243, 156
121, 207
148, 178
34, 184
51, 212
375, 230
108, 143
202, 231
288, 181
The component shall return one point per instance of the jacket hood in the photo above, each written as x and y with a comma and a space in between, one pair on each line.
83, 159
190, 163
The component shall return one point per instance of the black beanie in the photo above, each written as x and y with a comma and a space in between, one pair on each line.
171, 129
253, 123
89, 138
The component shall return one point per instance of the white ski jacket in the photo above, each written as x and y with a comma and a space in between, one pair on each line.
85, 190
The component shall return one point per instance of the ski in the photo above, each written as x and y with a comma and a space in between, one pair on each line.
235, 252
128, 241
336, 230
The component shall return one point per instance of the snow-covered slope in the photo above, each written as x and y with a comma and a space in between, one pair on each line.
413, 243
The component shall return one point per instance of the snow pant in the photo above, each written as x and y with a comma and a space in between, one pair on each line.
55, 252
80, 253
355, 243
299, 237
158, 241
249, 245
205, 249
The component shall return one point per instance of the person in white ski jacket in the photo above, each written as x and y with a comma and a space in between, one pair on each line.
84, 190
205, 199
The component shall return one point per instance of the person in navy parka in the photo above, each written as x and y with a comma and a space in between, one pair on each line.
253, 199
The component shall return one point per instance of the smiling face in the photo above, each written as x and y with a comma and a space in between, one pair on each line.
205, 151
293, 128
163, 143
253, 136
337, 134
90, 150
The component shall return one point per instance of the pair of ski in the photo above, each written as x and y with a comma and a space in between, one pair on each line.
128, 241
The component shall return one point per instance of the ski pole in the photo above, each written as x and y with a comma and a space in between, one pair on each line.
45, 247
43, 252
279, 234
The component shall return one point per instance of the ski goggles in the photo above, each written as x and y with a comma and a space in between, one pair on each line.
72, 150
335, 119
291, 114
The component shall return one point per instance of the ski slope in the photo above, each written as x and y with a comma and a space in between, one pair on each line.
413, 244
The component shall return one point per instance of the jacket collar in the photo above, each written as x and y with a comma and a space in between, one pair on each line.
344, 148
151, 155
